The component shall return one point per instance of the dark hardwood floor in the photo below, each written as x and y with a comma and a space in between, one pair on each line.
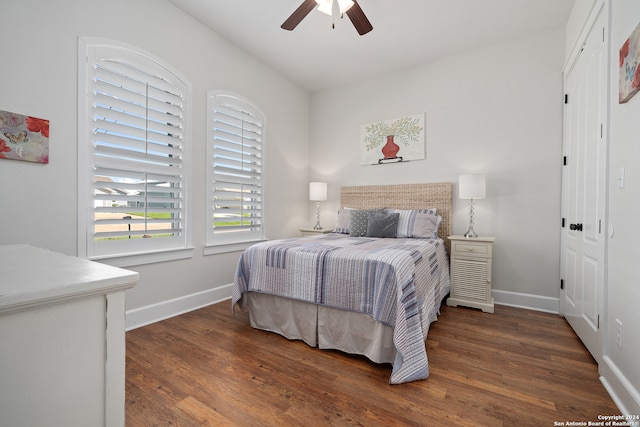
512, 368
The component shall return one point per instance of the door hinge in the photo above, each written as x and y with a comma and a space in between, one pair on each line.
562, 222
598, 327
561, 283
566, 98
564, 161
599, 226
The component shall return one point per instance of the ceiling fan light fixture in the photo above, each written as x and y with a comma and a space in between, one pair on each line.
334, 9
326, 6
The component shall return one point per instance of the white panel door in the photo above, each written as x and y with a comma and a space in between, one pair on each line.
584, 190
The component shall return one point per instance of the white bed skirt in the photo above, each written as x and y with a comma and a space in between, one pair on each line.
322, 327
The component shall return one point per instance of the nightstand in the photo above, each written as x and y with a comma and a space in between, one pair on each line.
471, 260
313, 232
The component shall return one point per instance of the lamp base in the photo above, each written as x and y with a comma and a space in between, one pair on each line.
470, 234
317, 226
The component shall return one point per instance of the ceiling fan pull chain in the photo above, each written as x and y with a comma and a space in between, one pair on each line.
335, 10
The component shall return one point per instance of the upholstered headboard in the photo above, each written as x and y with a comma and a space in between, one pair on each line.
438, 195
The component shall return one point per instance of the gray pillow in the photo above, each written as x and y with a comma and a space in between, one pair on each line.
360, 221
383, 225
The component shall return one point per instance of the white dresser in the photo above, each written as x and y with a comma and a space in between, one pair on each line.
62, 343
471, 260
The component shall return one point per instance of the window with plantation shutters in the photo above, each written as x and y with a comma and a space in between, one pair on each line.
235, 169
136, 167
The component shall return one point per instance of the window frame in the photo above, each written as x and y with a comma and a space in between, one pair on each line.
217, 243
131, 251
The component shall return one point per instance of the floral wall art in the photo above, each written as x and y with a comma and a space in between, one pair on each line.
394, 140
24, 138
629, 70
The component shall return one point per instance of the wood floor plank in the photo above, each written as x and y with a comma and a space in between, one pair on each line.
210, 368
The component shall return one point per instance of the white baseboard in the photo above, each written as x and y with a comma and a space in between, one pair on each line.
143, 316
621, 390
528, 301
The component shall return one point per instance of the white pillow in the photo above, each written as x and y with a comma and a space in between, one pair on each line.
343, 221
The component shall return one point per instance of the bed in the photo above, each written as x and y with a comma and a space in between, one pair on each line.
366, 295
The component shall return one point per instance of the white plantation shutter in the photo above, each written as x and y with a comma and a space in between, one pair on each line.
235, 169
136, 154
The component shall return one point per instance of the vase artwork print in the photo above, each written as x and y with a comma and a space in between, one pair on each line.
24, 138
395, 140
629, 70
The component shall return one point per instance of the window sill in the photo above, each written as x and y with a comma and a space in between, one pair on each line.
230, 247
130, 260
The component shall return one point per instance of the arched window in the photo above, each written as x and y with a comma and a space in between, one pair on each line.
235, 167
133, 153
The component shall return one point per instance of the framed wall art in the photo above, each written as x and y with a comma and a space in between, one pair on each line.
24, 138
394, 140
629, 70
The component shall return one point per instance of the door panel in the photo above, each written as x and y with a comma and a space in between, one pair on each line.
590, 274
584, 190
570, 280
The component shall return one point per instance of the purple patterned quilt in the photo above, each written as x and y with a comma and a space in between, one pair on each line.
399, 282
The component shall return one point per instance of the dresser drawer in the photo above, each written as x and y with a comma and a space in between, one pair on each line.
476, 249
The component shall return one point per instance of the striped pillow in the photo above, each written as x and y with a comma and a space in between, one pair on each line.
417, 223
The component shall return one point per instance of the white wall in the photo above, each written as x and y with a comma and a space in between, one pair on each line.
38, 203
496, 111
622, 366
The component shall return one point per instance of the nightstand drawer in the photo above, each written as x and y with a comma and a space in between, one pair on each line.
482, 250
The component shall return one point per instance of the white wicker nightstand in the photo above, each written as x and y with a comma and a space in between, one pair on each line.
471, 260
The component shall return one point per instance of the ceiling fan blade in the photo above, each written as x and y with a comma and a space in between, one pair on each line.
298, 15
358, 18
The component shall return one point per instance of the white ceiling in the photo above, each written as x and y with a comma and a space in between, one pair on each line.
405, 33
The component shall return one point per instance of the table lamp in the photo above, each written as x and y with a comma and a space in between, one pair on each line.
318, 193
471, 187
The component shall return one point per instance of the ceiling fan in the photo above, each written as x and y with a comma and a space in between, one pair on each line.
330, 7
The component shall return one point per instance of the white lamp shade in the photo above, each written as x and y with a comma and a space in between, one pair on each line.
318, 191
472, 186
